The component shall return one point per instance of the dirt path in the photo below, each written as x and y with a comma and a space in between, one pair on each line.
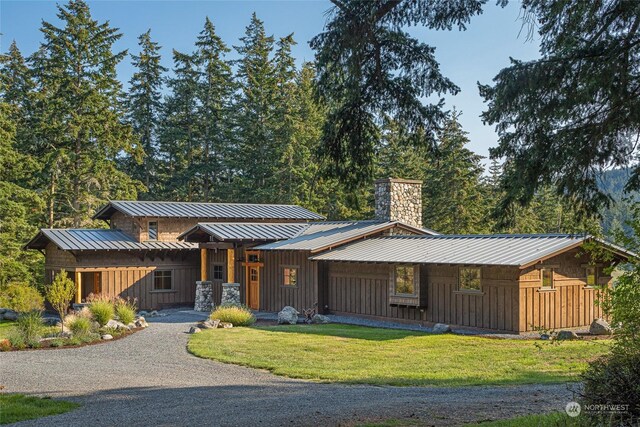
150, 379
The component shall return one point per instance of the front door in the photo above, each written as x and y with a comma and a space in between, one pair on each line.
253, 278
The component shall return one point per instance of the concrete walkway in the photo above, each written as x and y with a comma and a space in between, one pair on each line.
149, 378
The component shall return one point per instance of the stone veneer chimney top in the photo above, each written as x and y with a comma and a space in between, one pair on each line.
399, 200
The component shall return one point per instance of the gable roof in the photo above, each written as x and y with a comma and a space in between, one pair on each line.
206, 210
521, 250
99, 240
243, 231
326, 235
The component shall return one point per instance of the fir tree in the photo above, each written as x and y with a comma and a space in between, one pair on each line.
144, 103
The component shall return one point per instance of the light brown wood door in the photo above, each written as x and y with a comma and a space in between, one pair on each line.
253, 279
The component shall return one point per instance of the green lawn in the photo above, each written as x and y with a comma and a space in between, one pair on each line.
354, 354
5, 328
18, 407
554, 419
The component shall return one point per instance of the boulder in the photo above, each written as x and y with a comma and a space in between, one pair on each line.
288, 315
600, 327
141, 323
567, 335
154, 313
3, 310
10, 315
545, 337
116, 325
107, 337
226, 325
194, 330
209, 324
441, 328
319, 318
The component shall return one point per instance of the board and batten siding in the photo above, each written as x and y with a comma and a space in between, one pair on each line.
364, 289
274, 295
570, 304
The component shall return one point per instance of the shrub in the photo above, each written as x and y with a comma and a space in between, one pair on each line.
126, 312
102, 311
60, 293
79, 326
29, 326
235, 314
21, 297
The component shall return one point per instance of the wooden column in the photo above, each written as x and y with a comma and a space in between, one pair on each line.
203, 264
78, 280
231, 258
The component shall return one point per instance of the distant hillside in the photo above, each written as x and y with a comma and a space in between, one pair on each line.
619, 213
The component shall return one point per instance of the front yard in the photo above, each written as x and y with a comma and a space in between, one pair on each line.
355, 354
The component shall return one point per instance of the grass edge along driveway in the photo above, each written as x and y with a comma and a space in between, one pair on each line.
18, 407
362, 355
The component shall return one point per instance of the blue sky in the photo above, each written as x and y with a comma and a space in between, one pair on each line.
465, 57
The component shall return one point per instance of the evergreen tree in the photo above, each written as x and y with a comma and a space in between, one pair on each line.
256, 151
81, 116
144, 102
179, 150
454, 200
214, 91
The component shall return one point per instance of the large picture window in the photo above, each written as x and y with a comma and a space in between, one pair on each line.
162, 280
153, 230
469, 279
404, 280
290, 276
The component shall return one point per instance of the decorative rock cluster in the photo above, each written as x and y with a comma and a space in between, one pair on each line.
288, 315
231, 293
209, 324
204, 296
399, 200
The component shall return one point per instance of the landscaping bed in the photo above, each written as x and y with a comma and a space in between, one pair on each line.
355, 354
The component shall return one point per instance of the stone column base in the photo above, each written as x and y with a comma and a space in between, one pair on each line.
204, 296
231, 293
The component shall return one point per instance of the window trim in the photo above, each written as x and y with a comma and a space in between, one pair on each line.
416, 280
172, 288
157, 230
461, 290
291, 267
213, 271
553, 280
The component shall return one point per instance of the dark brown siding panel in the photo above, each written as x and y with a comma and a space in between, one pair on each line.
274, 296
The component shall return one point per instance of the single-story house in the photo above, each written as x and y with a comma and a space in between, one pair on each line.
390, 267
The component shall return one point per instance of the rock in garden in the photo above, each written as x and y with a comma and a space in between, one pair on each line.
600, 327
288, 315
319, 318
107, 337
194, 330
226, 325
567, 335
545, 337
64, 328
441, 328
116, 325
154, 313
209, 324
141, 323
10, 315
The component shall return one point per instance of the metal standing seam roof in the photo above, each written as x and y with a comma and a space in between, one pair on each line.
507, 250
245, 231
324, 235
99, 240
206, 210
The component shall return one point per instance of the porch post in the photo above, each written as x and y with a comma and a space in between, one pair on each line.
203, 264
231, 257
78, 280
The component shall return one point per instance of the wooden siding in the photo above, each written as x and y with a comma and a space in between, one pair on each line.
363, 289
570, 304
274, 295
168, 228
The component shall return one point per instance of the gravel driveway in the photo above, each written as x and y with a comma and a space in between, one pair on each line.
149, 378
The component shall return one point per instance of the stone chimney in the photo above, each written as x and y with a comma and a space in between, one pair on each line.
399, 200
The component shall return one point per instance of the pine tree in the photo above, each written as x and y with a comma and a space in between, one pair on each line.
143, 103
256, 152
214, 91
179, 150
81, 117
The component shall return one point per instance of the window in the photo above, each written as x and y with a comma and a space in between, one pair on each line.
404, 280
592, 275
546, 277
153, 230
218, 272
469, 279
290, 276
162, 280
253, 257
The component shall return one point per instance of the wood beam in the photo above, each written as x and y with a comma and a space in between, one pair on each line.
203, 264
78, 280
231, 258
